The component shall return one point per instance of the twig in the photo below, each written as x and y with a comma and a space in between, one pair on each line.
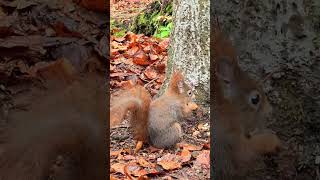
150, 82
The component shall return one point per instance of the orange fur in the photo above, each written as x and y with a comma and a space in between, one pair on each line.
155, 121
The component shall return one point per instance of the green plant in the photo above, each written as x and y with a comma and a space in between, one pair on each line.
116, 29
163, 31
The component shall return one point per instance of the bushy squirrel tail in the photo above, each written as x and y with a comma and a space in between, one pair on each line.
137, 101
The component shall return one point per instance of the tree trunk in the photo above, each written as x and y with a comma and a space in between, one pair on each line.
190, 45
282, 38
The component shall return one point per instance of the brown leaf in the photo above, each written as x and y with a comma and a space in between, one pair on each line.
164, 44
150, 73
129, 157
113, 178
118, 168
115, 153
153, 57
170, 161
161, 78
207, 145
133, 169
133, 51
203, 159
61, 70
119, 39
120, 74
140, 58
186, 155
167, 178
190, 147
154, 149
144, 177
144, 163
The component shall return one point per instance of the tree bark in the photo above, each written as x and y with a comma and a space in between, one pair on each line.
190, 45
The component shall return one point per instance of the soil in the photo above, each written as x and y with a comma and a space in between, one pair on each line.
281, 39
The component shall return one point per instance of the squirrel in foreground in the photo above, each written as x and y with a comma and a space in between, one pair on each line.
157, 121
68, 121
241, 110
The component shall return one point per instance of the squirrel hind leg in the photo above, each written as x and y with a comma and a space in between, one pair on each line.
138, 147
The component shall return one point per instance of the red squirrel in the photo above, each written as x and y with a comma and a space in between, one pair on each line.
241, 107
155, 121
68, 121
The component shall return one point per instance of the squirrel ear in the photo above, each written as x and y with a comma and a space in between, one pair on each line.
225, 69
177, 82
180, 86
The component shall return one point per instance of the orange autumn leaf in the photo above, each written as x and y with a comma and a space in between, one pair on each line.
153, 57
161, 78
114, 52
144, 177
129, 157
140, 58
170, 161
144, 163
190, 147
164, 44
134, 169
133, 51
186, 155
115, 153
118, 168
203, 159
150, 73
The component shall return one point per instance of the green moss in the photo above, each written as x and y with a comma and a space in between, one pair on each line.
117, 29
154, 21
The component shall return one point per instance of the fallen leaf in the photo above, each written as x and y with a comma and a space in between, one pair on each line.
115, 153
189, 147
150, 73
129, 157
207, 145
167, 178
120, 39
144, 163
140, 58
134, 169
186, 155
118, 168
153, 57
164, 44
132, 51
203, 159
170, 161
144, 177
154, 149
120, 74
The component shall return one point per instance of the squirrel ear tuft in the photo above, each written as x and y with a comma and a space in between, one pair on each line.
176, 82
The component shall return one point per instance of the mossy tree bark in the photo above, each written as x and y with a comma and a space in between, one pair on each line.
190, 45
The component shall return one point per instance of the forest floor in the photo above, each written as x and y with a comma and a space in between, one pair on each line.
146, 57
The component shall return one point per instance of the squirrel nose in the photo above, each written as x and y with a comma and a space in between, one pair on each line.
193, 106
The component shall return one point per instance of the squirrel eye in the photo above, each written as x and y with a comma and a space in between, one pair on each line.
189, 93
254, 98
